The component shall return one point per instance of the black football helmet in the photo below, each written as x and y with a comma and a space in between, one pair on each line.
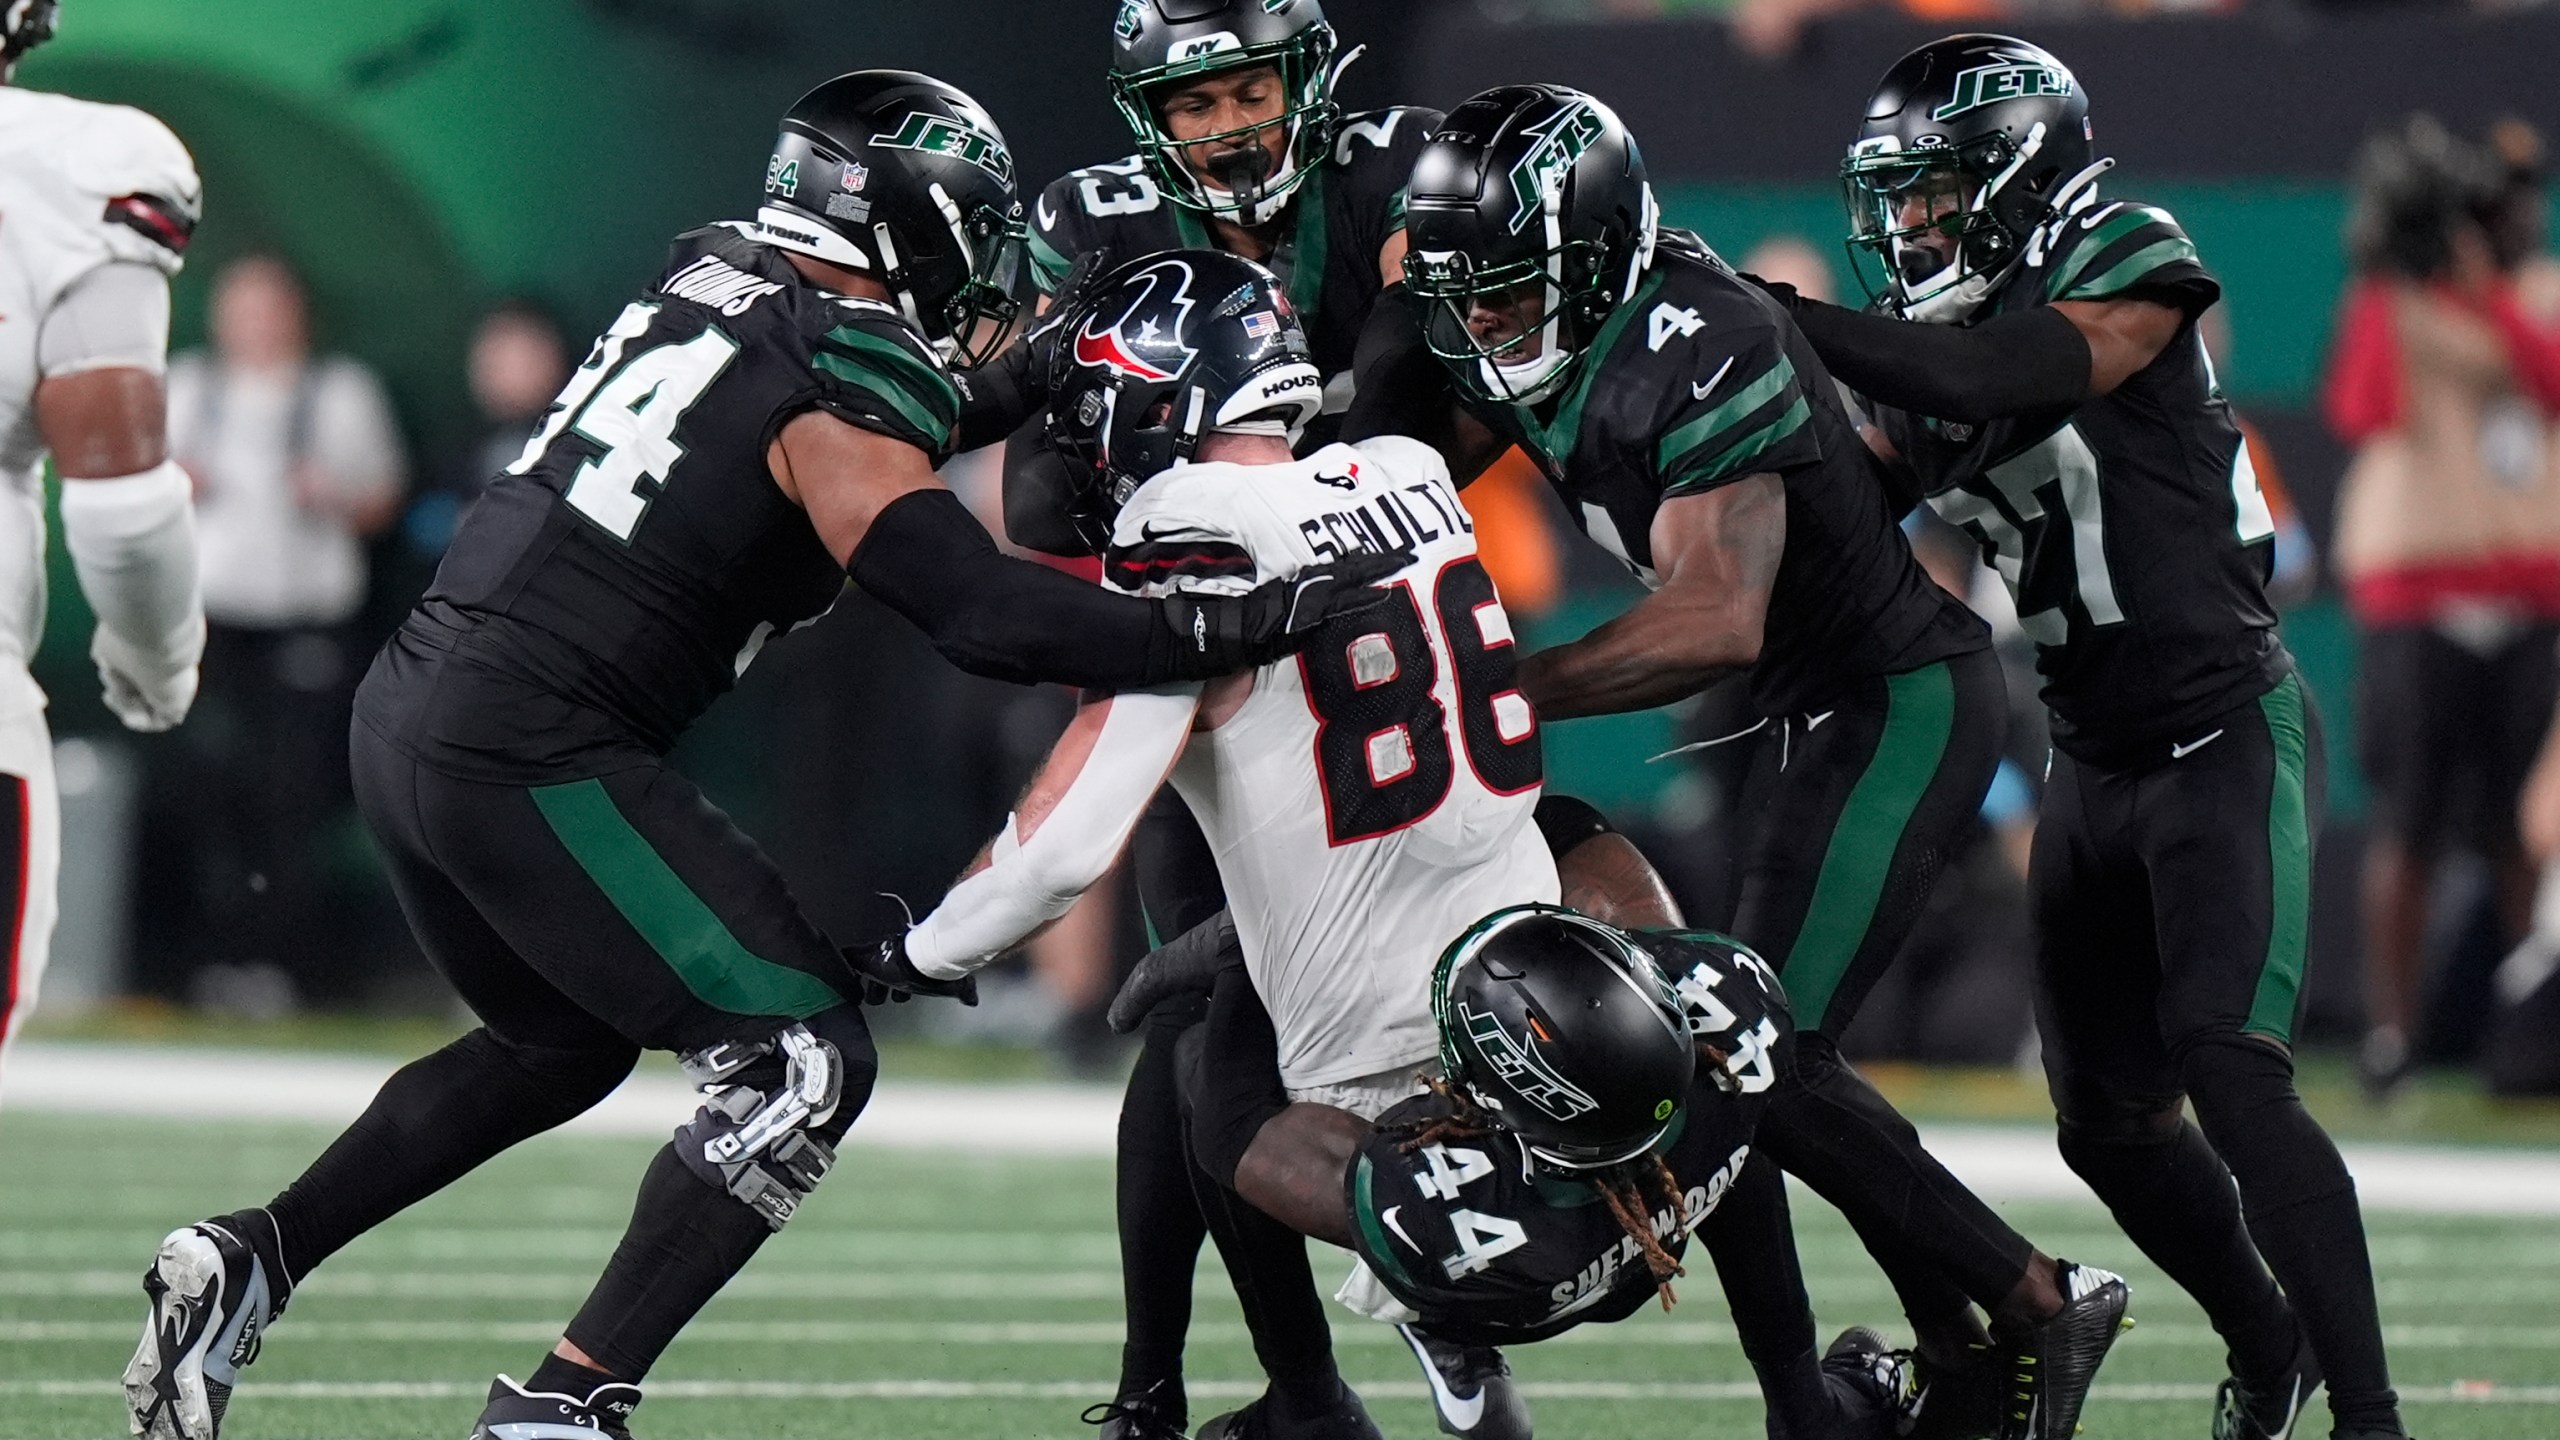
1564, 1032
1164, 350
24, 25
1971, 142
904, 178
1527, 195
1157, 44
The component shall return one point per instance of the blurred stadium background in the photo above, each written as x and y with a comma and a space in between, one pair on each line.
231, 977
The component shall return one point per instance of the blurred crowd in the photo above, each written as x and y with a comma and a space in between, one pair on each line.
255, 892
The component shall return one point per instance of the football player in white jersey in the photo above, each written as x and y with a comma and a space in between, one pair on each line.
100, 201
1365, 804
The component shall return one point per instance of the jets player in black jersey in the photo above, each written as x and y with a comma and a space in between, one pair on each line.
1603, 1089
1692, 432
761, 422
2058, 402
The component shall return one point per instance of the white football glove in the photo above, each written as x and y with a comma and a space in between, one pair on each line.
148, 692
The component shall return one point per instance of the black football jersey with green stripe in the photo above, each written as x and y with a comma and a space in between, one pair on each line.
2130, 529
618, 577
1491, 1249
1331, 233
1699, 381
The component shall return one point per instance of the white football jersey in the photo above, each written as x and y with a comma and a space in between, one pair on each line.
1372, 798
68, 172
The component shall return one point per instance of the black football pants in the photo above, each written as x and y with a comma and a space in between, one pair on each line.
1855, 809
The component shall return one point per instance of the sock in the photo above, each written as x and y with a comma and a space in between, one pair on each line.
559, 1376
430, 1124
2173, 1198
1160, 1225
684, 1242
2301, 1207
1828, 1127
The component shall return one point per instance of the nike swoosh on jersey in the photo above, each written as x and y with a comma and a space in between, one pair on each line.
1698, 391
2090, 220
1048, 217
1464, 1414
1387, 1217
2181, 752
1814, 722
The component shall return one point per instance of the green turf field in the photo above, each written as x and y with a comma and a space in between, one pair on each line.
922, 1297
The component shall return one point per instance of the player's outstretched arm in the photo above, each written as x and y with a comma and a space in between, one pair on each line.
1718, 554
2048, 357
128, 516
906, 539
1070, 825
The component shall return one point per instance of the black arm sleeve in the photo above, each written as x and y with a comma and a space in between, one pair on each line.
998, 397
2015, 364
1397, 386
991, 614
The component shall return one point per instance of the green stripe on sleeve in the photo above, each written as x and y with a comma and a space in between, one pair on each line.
1920, 710
2088, 252
1364, 1209
2289, 849
1047, 265
686, 934
1709, 428
2132, 268
921, 394
1736, 459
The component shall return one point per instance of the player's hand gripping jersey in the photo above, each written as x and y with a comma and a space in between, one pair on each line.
1372, 797
1699, 381
1336, 224
638, 553
1490, 1249
2141, 577
82, 186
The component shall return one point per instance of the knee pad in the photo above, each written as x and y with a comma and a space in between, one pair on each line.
774, 1107
1567, 822
2090, 1134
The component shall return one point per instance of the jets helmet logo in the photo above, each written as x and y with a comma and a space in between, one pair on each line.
1562, 139
1132, 19
1150, 353
2004, 80
1516, 1061
947, 135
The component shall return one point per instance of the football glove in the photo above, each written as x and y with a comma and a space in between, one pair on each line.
1188, 963
1276, 619
882, 975
149, 693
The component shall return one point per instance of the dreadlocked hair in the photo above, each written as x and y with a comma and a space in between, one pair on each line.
1722, 1064
1633, 1189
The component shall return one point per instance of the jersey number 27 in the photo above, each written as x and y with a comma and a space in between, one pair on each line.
1383, 742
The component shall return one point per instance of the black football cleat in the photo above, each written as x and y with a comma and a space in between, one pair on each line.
1155, 1413
1472, 1392
2268, 1409
2049, 1369
515, 1413
1264, 1419
212, 1299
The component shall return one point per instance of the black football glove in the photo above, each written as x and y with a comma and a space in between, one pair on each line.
1216, 635
883, 974
1189, 962
1066, 303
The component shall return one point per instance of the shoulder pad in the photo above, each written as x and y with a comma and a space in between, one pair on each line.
873, 370
1406, 458
2110, 247
1176, 534
142, 179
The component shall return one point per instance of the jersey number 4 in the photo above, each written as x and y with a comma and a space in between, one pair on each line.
629, 408
1382, 736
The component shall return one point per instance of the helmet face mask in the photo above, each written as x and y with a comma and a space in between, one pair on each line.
1168, 349
1529, 221
1564, 1033
1969, 145
1165, 47
902, 178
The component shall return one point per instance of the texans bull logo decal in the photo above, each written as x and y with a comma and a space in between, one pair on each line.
1109, 343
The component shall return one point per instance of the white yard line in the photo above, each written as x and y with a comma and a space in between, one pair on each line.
2001, 1163
2465, 1393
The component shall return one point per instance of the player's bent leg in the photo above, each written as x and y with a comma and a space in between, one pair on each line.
30, 866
